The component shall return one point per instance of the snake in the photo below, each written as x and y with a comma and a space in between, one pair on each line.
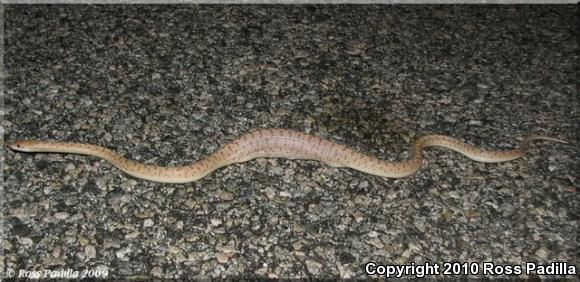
281, 143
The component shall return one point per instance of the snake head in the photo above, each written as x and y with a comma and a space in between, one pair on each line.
22, 146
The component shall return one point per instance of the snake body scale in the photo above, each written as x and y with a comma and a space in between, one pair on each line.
282, 143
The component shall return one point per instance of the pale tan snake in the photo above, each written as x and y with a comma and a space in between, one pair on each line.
281, 143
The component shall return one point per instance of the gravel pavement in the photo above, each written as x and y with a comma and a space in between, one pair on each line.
170, 84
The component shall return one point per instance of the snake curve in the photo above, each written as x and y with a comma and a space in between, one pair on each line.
281, 143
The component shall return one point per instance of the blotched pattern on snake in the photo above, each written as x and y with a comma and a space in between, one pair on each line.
282, 143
